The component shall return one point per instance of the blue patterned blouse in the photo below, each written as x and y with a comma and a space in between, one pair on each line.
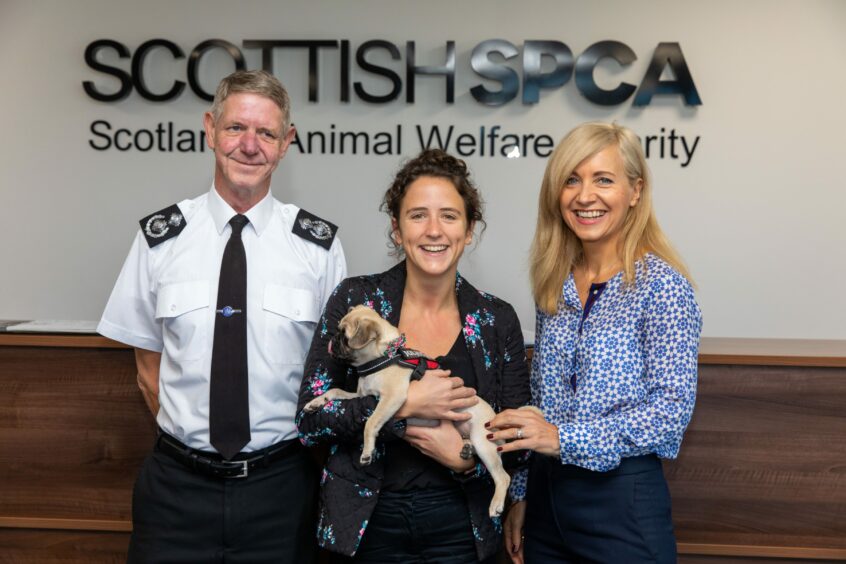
634, 362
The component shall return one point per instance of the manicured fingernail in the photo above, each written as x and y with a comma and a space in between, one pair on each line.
490, 436
499, 449
488, 424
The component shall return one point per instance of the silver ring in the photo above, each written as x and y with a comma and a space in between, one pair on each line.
519, 433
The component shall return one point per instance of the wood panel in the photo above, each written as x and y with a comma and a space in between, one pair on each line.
773, 352
84, 341
764, 460
702, 559
761, 477
21, 546
73, 432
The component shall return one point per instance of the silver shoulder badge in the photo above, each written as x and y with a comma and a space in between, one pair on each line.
319, 229
315, 229
163, 225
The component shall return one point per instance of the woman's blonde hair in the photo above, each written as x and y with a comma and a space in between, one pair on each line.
556, 249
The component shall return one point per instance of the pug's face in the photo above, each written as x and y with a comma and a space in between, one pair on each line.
362, 336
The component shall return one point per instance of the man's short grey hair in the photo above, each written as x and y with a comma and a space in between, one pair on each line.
253, 82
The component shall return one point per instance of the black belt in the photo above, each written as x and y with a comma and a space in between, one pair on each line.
214, 465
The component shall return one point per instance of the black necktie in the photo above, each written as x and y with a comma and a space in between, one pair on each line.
229, 407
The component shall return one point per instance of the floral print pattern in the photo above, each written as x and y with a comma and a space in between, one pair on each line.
472, 330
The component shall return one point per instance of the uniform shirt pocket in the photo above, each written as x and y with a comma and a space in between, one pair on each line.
291, 316
183, 308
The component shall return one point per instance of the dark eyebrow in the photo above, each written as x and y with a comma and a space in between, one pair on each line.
424, 208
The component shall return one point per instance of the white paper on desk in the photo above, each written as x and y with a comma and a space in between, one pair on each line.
53, 326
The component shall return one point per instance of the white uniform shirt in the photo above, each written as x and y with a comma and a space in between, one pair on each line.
166, 296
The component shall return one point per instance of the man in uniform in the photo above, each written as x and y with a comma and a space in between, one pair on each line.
220, 296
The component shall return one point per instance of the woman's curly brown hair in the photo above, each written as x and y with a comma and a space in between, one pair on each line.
440, 164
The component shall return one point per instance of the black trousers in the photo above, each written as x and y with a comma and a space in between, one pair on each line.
179, 516
576, 515
431, 526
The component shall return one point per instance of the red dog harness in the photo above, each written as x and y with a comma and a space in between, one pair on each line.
397, 353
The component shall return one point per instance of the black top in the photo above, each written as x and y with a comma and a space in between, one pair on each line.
406, 468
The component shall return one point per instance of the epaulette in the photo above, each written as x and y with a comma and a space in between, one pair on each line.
163, 225
312, 228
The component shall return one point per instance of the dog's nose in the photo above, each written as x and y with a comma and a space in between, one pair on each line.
336, 346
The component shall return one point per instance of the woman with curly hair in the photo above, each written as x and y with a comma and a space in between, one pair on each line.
419, 500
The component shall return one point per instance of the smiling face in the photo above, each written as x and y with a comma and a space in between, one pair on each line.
432, 227
248, 143
596, 198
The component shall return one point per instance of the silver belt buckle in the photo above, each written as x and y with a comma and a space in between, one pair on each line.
244, 469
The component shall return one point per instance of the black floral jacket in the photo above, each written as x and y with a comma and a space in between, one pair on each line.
349, 491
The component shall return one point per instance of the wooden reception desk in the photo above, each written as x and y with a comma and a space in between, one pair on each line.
761, 477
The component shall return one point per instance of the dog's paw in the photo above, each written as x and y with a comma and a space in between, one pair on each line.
365, 459
495, 510
315, 404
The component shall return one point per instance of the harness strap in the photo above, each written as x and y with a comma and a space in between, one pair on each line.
408, 358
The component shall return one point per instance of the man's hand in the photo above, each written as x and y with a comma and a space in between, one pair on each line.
148, 363
438, 396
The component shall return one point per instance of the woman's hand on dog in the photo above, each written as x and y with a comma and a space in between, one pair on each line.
524, 429
438, 396
442, 443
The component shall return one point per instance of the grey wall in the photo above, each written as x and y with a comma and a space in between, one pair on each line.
758, 212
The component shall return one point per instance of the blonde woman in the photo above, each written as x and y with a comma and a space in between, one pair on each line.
614, 366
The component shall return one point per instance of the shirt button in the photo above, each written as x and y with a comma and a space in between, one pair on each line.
172, 307
296, 312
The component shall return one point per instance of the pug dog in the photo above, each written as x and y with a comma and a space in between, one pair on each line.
370, 343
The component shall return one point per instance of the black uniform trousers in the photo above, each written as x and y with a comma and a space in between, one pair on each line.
574, 515
180, 516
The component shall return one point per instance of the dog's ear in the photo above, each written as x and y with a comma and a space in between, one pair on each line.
366, 331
